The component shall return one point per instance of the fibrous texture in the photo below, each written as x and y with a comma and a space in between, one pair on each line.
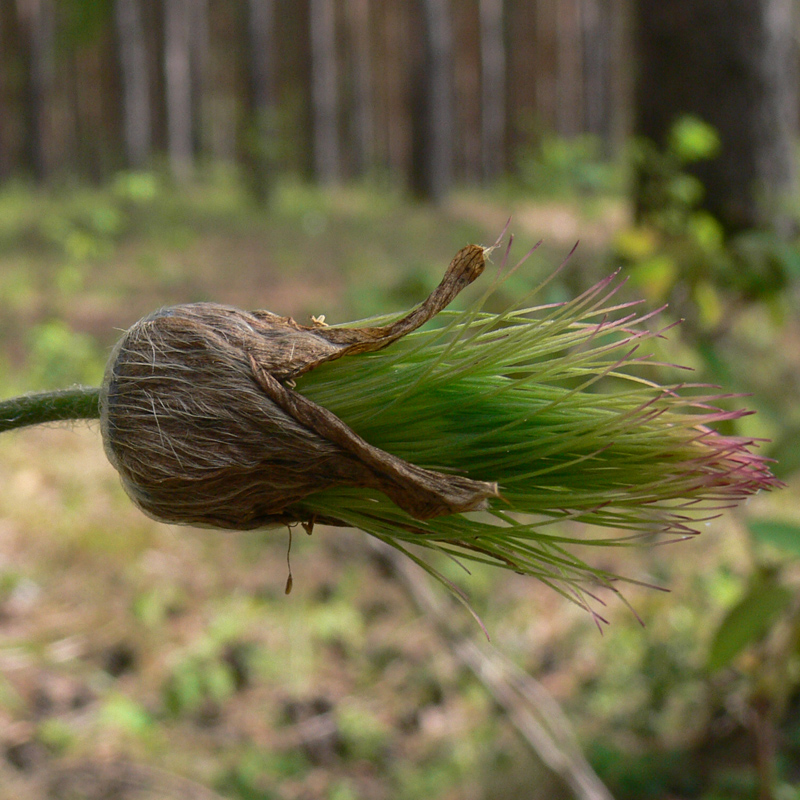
200, 418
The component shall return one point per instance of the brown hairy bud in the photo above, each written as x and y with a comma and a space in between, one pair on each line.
200, 417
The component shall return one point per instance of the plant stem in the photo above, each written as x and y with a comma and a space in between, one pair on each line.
80, 402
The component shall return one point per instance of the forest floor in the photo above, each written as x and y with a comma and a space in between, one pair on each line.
141, 660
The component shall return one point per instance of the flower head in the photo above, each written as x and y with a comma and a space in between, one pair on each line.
552, 402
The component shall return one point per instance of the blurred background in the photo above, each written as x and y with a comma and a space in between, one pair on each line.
329, 157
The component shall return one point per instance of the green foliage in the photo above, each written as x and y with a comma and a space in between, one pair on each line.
677, 250
258, 775
784, 536
124, 714
79, 224
135, 188
86, 233
209, 671
364, 735
196, 680
563, 167
749, 620
668, 195
60, 357
56, 735
242, 783
644, 776
82, 22
691, 139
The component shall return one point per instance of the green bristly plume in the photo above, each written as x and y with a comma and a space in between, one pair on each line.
552, 403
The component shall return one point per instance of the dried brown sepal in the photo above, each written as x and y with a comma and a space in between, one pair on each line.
199, 417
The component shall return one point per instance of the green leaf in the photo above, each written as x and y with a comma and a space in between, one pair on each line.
784, 450
691, 139
748, 621
126, 714
783, 535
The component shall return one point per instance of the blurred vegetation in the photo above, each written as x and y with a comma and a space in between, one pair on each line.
129, 642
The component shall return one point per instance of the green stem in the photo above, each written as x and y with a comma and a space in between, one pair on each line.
81, 402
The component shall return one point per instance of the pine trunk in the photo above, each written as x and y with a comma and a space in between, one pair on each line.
324, 91
178, 80
434, 132
6, 159
199, 65
37, 19
134, 70
393, 88
569, 79
362, 118
259, 138
596, 26
493, 89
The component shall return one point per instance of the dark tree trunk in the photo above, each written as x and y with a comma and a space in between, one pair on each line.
393, 81
200, 63
596, 25
493, 89
545, 59
37, 21
6, 61
178, 85
134, 70
731, 63
261, 41
569, 78
620, 78
524, 75
362, 117
324, 91
259, 136
434, 126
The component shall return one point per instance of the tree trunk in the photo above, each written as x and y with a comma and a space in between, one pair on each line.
324, 91
730, 62
569, 80
596, 22
37, 20
6, 159
134, 69
362, 117
393, 81
259, 136
178, 79
621, 78
432, 170
493, 89
200, 63
523, 75
260, 32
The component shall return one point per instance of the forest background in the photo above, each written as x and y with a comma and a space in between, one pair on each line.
330, 156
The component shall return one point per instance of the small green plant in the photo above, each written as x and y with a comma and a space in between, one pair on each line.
124, 714
756, 646
62, 356
677, 250
563, 167
196, 681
